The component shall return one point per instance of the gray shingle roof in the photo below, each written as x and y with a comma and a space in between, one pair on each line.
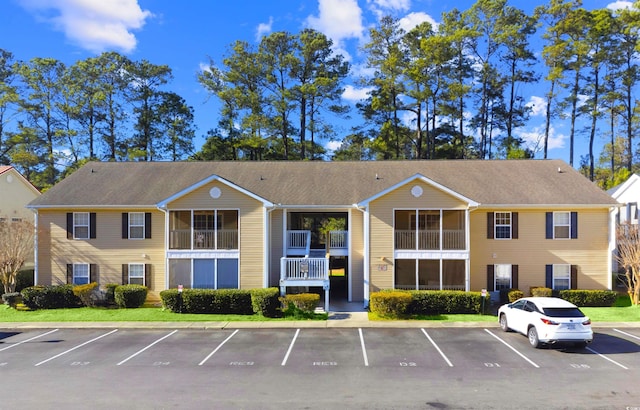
495, 182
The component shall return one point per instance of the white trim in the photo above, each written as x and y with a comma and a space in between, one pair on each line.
36, 265
367, 255
349, 258
427, 181
206, 181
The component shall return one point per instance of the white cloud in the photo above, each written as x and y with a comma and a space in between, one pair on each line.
338, 19
538, 106
333, 145
619, 5
534, 138
264, 28
411, 20
93, 25
356, 94
399, 5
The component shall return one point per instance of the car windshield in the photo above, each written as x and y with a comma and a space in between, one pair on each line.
563, 312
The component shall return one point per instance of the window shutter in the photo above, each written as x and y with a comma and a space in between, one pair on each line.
549, 225
93, 273
514, 227
147, 225
125, 274
69, 225
574, 277
514, 276
92, 225
125, 225
491, 278
69, 273
147, 275
490, 221
548, 282
574, 225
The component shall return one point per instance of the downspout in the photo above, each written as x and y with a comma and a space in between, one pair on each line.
367, 262
267, 231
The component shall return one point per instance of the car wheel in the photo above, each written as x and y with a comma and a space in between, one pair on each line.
503, 323
532, 334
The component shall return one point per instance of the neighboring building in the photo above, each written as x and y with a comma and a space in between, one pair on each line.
466, 225
627, 194
15, 193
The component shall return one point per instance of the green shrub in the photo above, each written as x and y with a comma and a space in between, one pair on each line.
434, 302
49, 297
11, 299
24, 279
306, 302
85, 293
515, 294
110, 293
266, 302
130, 296
539, 291
214, 301
171, 300
392, 304
590, 298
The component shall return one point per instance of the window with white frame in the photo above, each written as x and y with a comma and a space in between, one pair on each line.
81, 225
136, 225
502, 277
502, 225
562, 225
136, 274
80, 273
561, 278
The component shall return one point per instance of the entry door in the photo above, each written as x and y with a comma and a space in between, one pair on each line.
204, 273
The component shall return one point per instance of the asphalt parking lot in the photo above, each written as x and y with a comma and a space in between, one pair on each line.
316, 368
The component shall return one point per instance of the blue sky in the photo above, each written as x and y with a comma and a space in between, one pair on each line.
184, 34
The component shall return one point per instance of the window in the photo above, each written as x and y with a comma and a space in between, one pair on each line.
561, 277
81, 225
561, 225
204, 273
136, 274
136, 225
502, 277
80, 273
503, 225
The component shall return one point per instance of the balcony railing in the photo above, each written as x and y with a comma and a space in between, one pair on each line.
203, 239
338, 239
452, 239
292, 269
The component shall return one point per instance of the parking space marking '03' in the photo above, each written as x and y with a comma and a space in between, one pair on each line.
512, 348
76, 347
437, 348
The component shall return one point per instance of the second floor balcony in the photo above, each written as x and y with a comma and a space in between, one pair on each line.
430, 230
204, 229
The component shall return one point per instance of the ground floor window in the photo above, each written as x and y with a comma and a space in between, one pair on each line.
136, 274
80, 273
502, 277
204, 273
430, 274
561, 277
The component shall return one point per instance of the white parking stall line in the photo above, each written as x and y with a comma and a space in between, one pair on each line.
77, 347
627, 334
145, 348
28, 340
364, 350
512, 348
293, 341
217, 348
606, 358
446, 359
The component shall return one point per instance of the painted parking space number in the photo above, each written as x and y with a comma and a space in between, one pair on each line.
408, 364
80, 363
241, 363
491, 365
161, 363
325, 363
580, 366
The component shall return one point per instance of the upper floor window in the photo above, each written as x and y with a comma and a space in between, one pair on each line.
136, 225
562, 225
503, 225
81, 225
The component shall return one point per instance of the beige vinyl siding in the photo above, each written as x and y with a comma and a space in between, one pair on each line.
381, 230
532, 251
276, 247
251, 226
356, 261
108, 250
15, 195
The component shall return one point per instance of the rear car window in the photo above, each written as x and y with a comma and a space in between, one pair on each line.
563, 312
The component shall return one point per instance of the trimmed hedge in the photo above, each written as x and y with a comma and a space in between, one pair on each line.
540, 291
171, 301
392, 304
433, 302
130, 296
266, 302
305, 302
515, 294
49, 297
212, 301
590, 298
110, 293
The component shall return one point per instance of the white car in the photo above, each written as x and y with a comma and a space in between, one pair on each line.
546, 320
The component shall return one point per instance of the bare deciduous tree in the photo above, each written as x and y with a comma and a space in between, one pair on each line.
16, 246
628, 258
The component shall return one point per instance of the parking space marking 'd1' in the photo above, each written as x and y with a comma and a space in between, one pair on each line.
627, 334
145, 348
512, 348
28, 340
77, 347
437, 348
217, 348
